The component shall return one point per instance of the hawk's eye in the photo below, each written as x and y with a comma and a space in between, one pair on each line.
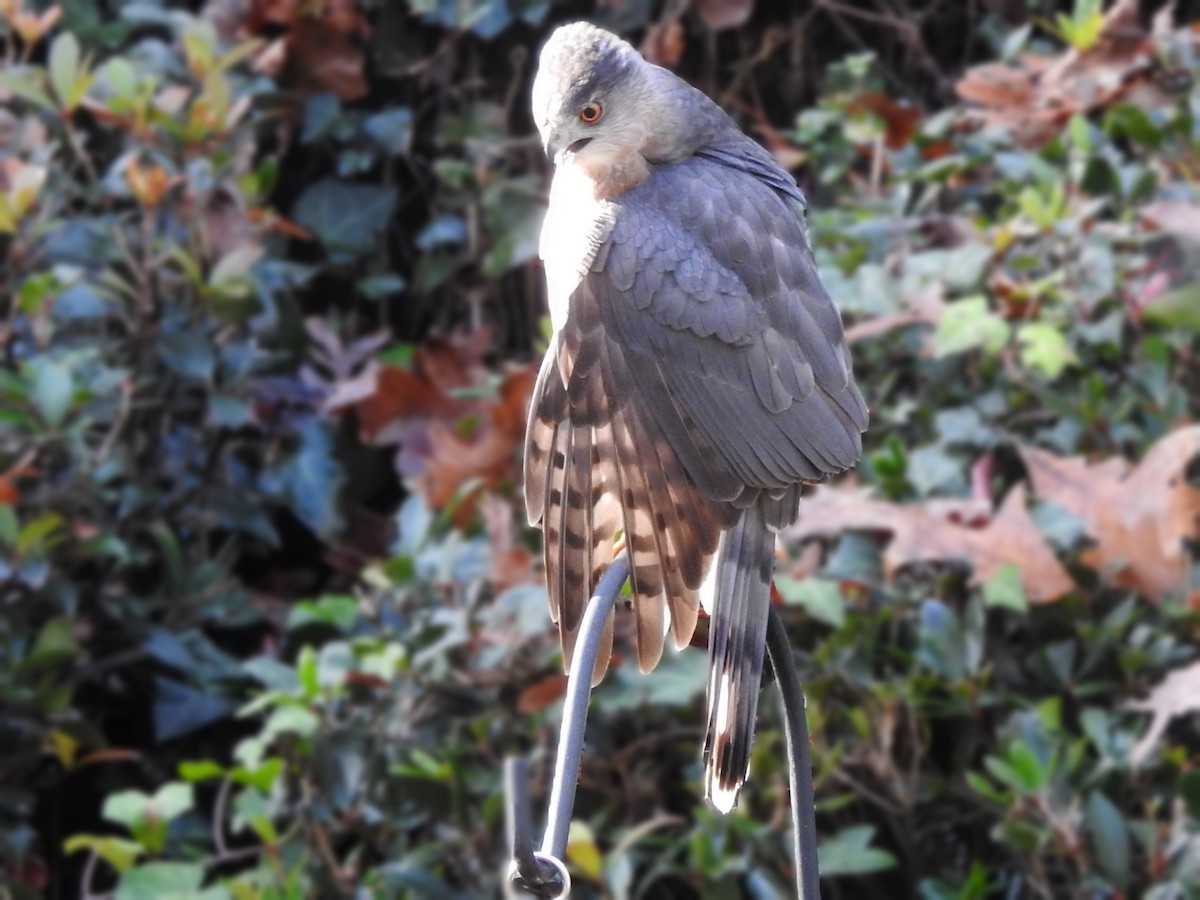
591, 113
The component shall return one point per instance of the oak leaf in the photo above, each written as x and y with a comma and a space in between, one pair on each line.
388, 398
931, 534
484, 458
1141, 518
457, 432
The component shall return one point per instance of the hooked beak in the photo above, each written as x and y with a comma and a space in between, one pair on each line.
558, 152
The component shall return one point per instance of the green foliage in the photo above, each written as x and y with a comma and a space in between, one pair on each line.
274, 683
334, 749
1083, 27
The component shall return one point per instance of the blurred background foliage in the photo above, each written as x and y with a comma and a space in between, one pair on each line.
270, 614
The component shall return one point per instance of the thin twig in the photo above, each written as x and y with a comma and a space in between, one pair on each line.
81, 155
85, 880
218, 826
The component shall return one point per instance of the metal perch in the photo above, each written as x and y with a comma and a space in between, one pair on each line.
542, 873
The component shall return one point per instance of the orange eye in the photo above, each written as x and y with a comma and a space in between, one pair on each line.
591, 113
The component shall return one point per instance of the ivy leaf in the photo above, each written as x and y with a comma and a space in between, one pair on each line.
252, 810
338, 610
1044, 348
442, 231
821, 598
1004, 589
967, 325
677, 682
148, 816
190, 356
311, 480
391, 129
180, 709
849, 852
347, 218
119, 853
179, 881
200, 770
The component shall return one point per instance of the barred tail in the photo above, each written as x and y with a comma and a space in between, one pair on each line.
740, 585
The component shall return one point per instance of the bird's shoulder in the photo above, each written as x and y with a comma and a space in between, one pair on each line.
706, 192
701, 215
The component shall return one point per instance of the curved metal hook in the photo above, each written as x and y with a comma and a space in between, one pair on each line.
543, 874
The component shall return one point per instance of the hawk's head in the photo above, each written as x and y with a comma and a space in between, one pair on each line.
594, 96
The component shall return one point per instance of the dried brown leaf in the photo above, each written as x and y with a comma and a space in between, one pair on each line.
1141, 519
1175, 217
512, 563
399, 394
1176, 695
541, 694
900, 120
996, 85
322, 58
486, 457
881, 325
920, 535
718, 15
1037, 95
664, 43
924, 307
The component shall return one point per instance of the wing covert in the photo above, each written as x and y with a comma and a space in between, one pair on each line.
708, 288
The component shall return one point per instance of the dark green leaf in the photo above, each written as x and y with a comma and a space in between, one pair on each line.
849, 852
1004, 589
189, 355
311, 480
1110, 837
55, 645
157, 880
821, 598
338, 610
347, 218
442, 230
180, 710
321, 113
391, 130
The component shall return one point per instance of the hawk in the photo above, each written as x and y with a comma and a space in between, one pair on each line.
697, 375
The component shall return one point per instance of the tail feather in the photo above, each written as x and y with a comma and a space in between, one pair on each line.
738, 596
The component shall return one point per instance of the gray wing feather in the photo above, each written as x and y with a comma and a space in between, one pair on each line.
743, 340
